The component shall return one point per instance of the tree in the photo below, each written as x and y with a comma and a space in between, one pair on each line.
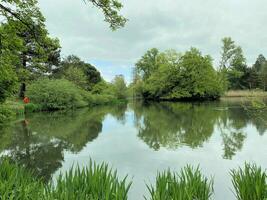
13, 9
228, 50
198, 77
233, 64
148, 63
37, 55
76, 75
119, 87
171, 75
261, 60
263, 77
8, 80
88, 73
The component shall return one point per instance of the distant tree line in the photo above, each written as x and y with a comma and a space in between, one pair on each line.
236, 71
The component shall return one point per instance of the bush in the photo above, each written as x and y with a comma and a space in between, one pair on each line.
250, 183
31, 107
6, 114
188, 185
56, 94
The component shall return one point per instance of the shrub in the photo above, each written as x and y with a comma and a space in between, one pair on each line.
250, 183
56, 94
18, 184
187, 185
93, 182
31, 107
6, 114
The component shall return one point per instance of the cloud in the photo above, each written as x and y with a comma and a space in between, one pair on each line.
164, 24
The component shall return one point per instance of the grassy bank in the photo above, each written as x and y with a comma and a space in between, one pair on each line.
102, 183
245, 93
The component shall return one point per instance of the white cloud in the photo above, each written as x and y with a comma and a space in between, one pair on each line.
163, 24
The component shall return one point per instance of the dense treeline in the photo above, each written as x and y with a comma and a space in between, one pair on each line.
31, 64
237, 73
171, 75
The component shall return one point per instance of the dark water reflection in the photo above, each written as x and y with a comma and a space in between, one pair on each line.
132, 136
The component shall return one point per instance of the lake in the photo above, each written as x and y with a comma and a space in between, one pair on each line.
141, 139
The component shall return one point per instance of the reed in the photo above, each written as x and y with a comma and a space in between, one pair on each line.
16, 183
250, 183
188, 185
95, 182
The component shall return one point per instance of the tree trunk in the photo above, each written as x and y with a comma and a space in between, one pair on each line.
22, 90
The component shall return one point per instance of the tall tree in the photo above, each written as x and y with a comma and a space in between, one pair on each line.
233, 64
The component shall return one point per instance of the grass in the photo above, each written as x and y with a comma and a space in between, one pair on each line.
190, 184
245, 93
250, 183
93, 182
96, 182
99, 182
16, 183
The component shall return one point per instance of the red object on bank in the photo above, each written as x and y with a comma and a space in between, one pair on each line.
26, 100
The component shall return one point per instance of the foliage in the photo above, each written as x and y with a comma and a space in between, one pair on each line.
77, 71
189, 184
56, 94
16, 183
6, 114
170, 75
233, 63
237, 73
119, 87
93, 182
32, 52
250, 183
15, 9
8, 81
31, 107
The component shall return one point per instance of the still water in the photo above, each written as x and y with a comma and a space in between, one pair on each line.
140, 139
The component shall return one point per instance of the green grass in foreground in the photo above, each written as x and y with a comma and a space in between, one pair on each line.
190, 184
250, 183
93, 182
96, 182
99, 182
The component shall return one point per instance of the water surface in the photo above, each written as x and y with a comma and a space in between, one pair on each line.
140, 139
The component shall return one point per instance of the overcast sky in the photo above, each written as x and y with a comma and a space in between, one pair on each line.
164, 24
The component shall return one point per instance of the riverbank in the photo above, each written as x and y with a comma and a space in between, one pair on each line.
245, 93
13, 108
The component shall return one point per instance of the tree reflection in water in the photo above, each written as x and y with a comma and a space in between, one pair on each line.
171, 125
39, 142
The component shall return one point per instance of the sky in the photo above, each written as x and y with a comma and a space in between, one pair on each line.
163, 24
